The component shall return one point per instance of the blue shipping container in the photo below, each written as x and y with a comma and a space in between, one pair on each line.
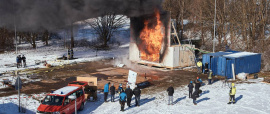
212, 59
243, 62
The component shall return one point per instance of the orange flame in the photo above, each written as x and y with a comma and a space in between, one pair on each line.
151, 40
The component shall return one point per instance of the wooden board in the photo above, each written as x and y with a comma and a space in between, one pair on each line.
88, 78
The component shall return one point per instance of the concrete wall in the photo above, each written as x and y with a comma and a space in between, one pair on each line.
134, 53
168, 59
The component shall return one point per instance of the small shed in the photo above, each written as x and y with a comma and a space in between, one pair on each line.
221, 62
246, 62
211, 59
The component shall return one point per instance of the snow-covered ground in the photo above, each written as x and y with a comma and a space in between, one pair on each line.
50, 54
253, 98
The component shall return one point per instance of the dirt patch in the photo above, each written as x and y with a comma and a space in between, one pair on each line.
267, 79
57, 77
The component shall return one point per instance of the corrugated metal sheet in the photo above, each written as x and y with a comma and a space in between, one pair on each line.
211, 59
221, 63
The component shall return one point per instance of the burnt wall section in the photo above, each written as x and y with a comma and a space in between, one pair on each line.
137, 25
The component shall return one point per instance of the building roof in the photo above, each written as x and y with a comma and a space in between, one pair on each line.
219, 53
65, 90
240, 54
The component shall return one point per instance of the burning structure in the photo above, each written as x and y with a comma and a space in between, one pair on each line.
153, 42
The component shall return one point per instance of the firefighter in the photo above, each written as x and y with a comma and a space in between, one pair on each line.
199, 65
232, 94
210, 73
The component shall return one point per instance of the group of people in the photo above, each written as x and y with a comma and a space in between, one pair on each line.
194, 95
124, 95
19, 60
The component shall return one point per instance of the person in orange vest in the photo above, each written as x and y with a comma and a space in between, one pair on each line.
232, 94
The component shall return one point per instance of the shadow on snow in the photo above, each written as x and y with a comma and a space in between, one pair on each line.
238, 98
179, 99
11, 108
203, 99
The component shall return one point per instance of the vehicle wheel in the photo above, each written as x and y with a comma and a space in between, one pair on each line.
81, 107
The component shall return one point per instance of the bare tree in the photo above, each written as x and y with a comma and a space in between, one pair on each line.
45, 37
6, 39
106, 26
31, 38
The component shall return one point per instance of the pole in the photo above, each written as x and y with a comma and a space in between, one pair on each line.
16, 38
19, 94
214, 27
15, 27
233, 71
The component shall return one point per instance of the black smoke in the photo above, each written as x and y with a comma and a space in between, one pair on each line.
52, 14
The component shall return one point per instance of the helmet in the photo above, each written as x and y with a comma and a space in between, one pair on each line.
190, 81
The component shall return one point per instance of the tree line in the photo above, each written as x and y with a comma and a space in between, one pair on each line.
242, 25
246, 21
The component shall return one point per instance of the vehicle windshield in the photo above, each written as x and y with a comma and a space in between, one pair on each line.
53, 100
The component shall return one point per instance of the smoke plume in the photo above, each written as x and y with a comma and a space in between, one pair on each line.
52, 14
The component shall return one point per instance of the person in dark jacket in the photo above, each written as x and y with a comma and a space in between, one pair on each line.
112, 90
170, 91
24, 61
137, 93
72, 53
190, 86
122, 100
129, 93
19, 61
195, 95
106, 90
197, 85
206, 68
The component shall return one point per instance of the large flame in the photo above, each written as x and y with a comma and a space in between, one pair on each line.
152, 40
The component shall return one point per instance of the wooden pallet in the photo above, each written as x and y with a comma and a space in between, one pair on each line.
154, 65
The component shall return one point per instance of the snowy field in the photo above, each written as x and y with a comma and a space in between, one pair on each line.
253, 98
50, 55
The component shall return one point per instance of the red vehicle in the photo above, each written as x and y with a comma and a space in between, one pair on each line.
59, 103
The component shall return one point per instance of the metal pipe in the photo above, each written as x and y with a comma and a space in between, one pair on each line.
214, 27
